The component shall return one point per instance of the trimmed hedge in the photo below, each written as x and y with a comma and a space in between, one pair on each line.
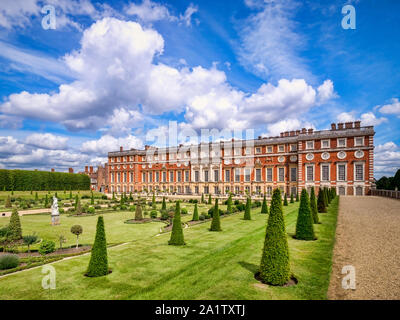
313, 206
247, 214
177, 231
24, 180
8, 261
216, 222
98, 264
195, 213
304, 225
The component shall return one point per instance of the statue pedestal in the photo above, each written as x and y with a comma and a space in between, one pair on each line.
55, 220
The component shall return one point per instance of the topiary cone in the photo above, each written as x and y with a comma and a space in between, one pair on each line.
313, 206
304, 225
321, 202
15, 230
247, 211
195, 213
229, 207
285, 203
98, 264
264, 206
216, 223
274, 266
177, 231
138, 212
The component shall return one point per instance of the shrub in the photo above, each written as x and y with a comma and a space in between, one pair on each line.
9, 261
123, 207
97, 207
291, 198
313, 206
247, 214
274, 266
321, 202
47, 246
195, 213
297, 197
164, 215
164, 205
98, 264
177, 231
153, 214
236, 202
29, 240
240, 207
304, 225
61, 210
132, 208
216, 223
325, 196
8, 202
202, 217
138, 212
184, 211
209, 198
202, 198
77, 230
4, 231
91, 210
264, 206
15, 230
285, 202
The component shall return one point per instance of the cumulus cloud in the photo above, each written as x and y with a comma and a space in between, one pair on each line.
392, 108
387, 159
326, 91
367, 119
109, 143
286, 125
116, 74
9, 146
47, 141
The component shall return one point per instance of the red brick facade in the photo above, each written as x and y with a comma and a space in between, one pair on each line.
341, 157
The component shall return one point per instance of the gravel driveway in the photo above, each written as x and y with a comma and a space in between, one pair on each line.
368, 238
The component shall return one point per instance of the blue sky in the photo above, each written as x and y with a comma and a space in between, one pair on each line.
117, 72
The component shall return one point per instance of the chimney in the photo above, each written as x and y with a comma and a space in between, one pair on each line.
303, 130
310, 131
70, 170
52, 169
286, 134
340, 126
86, 169
297, 132
357, 124
281, 134
121, 149
259, 137
349, 125
146, 147
91, 169
333, 126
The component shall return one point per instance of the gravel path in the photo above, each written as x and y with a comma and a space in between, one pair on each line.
368, 238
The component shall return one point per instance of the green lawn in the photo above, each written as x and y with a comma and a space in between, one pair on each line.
213, 265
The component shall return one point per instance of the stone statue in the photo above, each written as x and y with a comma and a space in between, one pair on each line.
55, 214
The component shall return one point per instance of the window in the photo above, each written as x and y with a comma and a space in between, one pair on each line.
342, 191
237, 151
186, 175
293, 174
157, 176
196, 176
258, 150
359, 191
227, 189
359, 141
179, 189
258, 175
150, 176
144, 177
131, 177
341, 172
248, 151
216, 175
196, 190
310, 173
359, 172
269, 190
164, 176
281, 148
118, 177
325, 173
237, 190
227, 152
187, 190
206, 190
227, 175
281, 174
237, 175
341, 143
310, 145
269, 149
258, 189
179, 176
269, 174
293, 191
325, 144
247, 173
293, 147
171, 176
206, 176
216, 190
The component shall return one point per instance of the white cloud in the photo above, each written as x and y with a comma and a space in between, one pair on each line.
326, 91
187, 16
47, 141
149, 11
367, 119
9, 145
286, 125
392, 108
387, 159
16, 13
109, 143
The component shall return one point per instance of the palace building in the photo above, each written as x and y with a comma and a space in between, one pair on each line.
341, 157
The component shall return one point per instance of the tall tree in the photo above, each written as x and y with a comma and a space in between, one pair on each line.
304, 225
247, 211
321, 202
274, 266
164, 205
177, 231
15, 230
285, 202
264, 206
216, 223
98, 264
313, 206
195, 213
229, 204
209, 198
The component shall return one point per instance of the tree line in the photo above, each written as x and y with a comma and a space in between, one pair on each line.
25, 180
389, 183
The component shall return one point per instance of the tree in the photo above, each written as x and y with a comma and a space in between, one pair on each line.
15, 230
70, 194
313, 206
76, 201
264, 206
36, 196
46, 201
209, 198
274, 266
325, 196
164, 205
216, 223
113, 196
92, 199
297, 197
77, 230
304, 225
98, 264
8, 202
61, 240
177, 231
195, 213
321, 202
285, 203
29, 240
78, 207
247, 214
291, 198
153, 201
202, 198
229, 204
138, 212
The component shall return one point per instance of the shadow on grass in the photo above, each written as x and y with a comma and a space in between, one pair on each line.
249, 266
